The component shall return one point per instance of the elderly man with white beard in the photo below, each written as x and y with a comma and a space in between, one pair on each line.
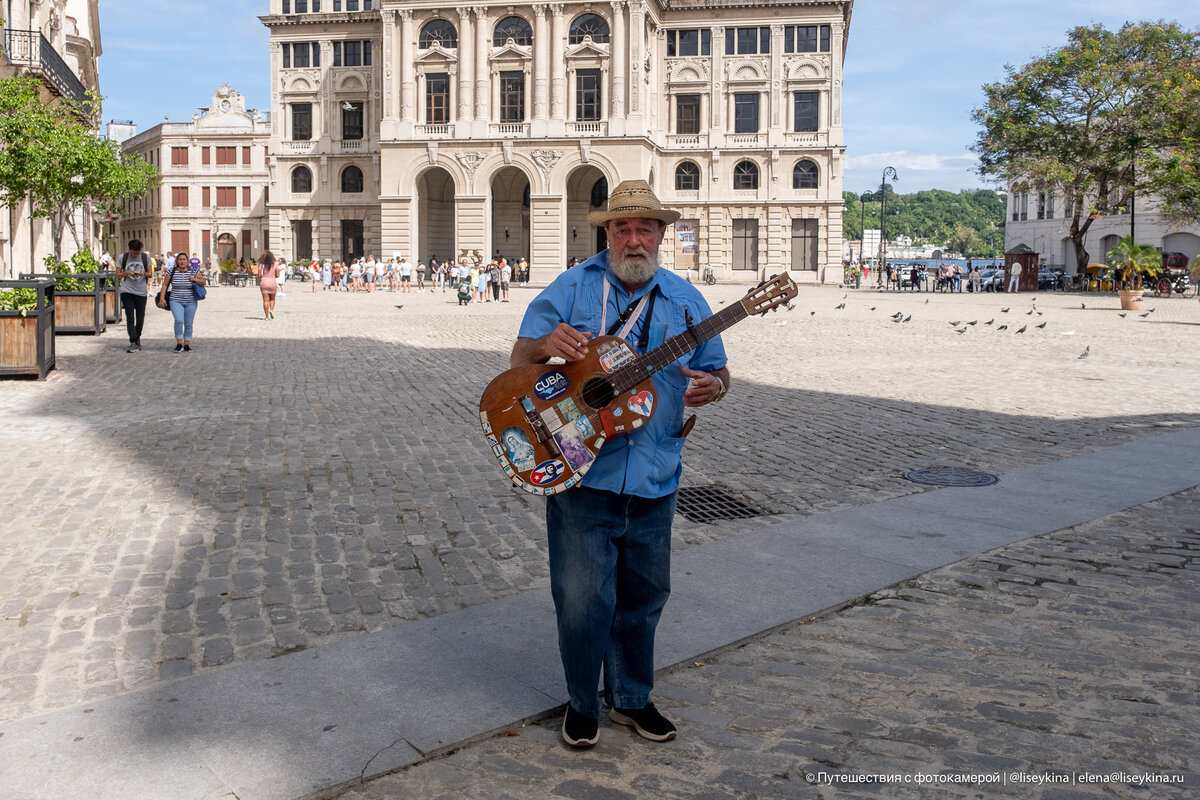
610, 538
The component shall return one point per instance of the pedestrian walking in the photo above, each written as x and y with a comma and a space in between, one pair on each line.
181, 280
268, 282
133, 268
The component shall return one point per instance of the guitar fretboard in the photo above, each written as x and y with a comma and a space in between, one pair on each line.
625, 378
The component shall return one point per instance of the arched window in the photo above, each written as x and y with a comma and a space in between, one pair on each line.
439, 32
805, 175
592, 25
599, 193
352, 180
745, 175
515, 28
687, 177
301, 180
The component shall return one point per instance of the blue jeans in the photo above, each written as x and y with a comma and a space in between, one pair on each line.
183, 313
610, 575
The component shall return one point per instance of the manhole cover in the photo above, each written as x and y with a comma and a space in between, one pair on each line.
709, 503
951, 476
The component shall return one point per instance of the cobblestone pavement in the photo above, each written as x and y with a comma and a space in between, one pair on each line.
1070, 658
300, 481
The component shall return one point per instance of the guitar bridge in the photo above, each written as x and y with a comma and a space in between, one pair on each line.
538, 425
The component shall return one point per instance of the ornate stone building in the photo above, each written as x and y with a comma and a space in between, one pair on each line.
408, 127
212, 194
58, 42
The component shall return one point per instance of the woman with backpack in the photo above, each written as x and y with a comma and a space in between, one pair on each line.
180, 283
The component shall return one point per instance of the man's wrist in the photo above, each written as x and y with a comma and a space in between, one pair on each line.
721, 392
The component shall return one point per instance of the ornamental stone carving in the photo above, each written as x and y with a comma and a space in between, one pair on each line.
546, 159
470, 161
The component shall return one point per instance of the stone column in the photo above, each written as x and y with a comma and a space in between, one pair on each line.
558, 67
466, 67
483, 41
391, 81
619, 60
541, 63
637, 46
406, 55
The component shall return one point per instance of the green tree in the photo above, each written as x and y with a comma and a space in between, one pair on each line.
966, 240
1104, 119
49, 155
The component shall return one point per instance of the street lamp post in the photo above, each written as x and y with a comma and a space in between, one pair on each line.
888, 172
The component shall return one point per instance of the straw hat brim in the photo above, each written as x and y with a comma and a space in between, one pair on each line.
663, 215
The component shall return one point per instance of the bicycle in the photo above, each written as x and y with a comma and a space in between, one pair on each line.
709, 276
1177, 284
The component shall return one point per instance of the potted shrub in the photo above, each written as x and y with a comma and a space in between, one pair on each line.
1127, 262
27, 328
79, 297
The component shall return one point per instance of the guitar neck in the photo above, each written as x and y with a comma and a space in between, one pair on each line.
633, 373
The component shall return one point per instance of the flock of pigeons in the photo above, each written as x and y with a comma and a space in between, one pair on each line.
900, 318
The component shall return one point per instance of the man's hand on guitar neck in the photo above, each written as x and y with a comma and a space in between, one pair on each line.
705, 387
563, 342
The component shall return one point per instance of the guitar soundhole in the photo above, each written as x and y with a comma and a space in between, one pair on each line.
597, 393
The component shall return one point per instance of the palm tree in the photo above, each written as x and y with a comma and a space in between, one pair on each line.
1128, 260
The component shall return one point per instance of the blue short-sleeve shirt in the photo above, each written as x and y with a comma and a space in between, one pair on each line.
647, 462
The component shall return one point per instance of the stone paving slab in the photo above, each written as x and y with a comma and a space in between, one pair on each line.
296, 725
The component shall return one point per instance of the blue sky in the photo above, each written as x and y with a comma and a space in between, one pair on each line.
913, 72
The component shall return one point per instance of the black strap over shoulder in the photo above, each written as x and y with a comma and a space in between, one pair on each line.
644, 337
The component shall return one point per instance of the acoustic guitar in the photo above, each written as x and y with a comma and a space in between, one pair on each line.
547, 422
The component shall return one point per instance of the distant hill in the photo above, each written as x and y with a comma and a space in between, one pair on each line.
971, 221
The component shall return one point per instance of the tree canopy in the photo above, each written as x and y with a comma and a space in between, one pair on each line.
49, 154
1106, 118
972, 218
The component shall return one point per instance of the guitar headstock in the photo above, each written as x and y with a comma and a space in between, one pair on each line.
769, 294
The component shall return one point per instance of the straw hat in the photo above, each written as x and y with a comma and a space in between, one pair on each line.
633, 200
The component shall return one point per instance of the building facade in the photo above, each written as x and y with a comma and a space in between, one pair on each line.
1041, 221
212, 195
58, 42
404, 127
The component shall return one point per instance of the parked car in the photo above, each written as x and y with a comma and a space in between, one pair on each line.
992, 280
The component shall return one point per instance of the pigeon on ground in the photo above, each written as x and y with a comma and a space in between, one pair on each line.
956, 323
906, 319
812, 313
963, 329
990, 321
400, 306
926, 301
1122, 314
1029, 313
1086, 351
1040, 326
1144, 315
1004, 311
1150, 311
1083, 305
897, 319
839, 306
791, 306
973, 322
872, 308
845, 296
1022, 329
1002, 328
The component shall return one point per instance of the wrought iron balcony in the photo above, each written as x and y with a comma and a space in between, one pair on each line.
33, 50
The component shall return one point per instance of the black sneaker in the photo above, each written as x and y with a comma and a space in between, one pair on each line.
178, 348
578, 730
187, 348
646, 721
133, 347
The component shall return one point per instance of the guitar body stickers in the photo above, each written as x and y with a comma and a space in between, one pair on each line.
518, 449
552, 419
547, 472
568, 409
551, 385
615, 354
573, 448
584, 426
642, 403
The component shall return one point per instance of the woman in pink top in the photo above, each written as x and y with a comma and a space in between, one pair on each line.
268, 282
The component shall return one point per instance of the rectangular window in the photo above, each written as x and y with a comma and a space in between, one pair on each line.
205, 156
301, 6
807, 111
745, 112
512, 96
745, 244
806, 38
587, 95
246, 234
299, 54
246, 156
352, 121
804, 245
205, 197
747, 41
1041, 205
691, 42
179, 156
180, 242
179, 197
437, 98
226, 156
687, 113
245, 197
301, 122
226, 197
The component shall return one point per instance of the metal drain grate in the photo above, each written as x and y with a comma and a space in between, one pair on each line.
711, 503
951, 476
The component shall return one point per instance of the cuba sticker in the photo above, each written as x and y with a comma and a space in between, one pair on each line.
548, 472
642, 403
551, 385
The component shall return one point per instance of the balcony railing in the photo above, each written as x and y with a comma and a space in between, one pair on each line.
299, 145
434, 131
687, 140
350, 145
33, 50
510, 129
